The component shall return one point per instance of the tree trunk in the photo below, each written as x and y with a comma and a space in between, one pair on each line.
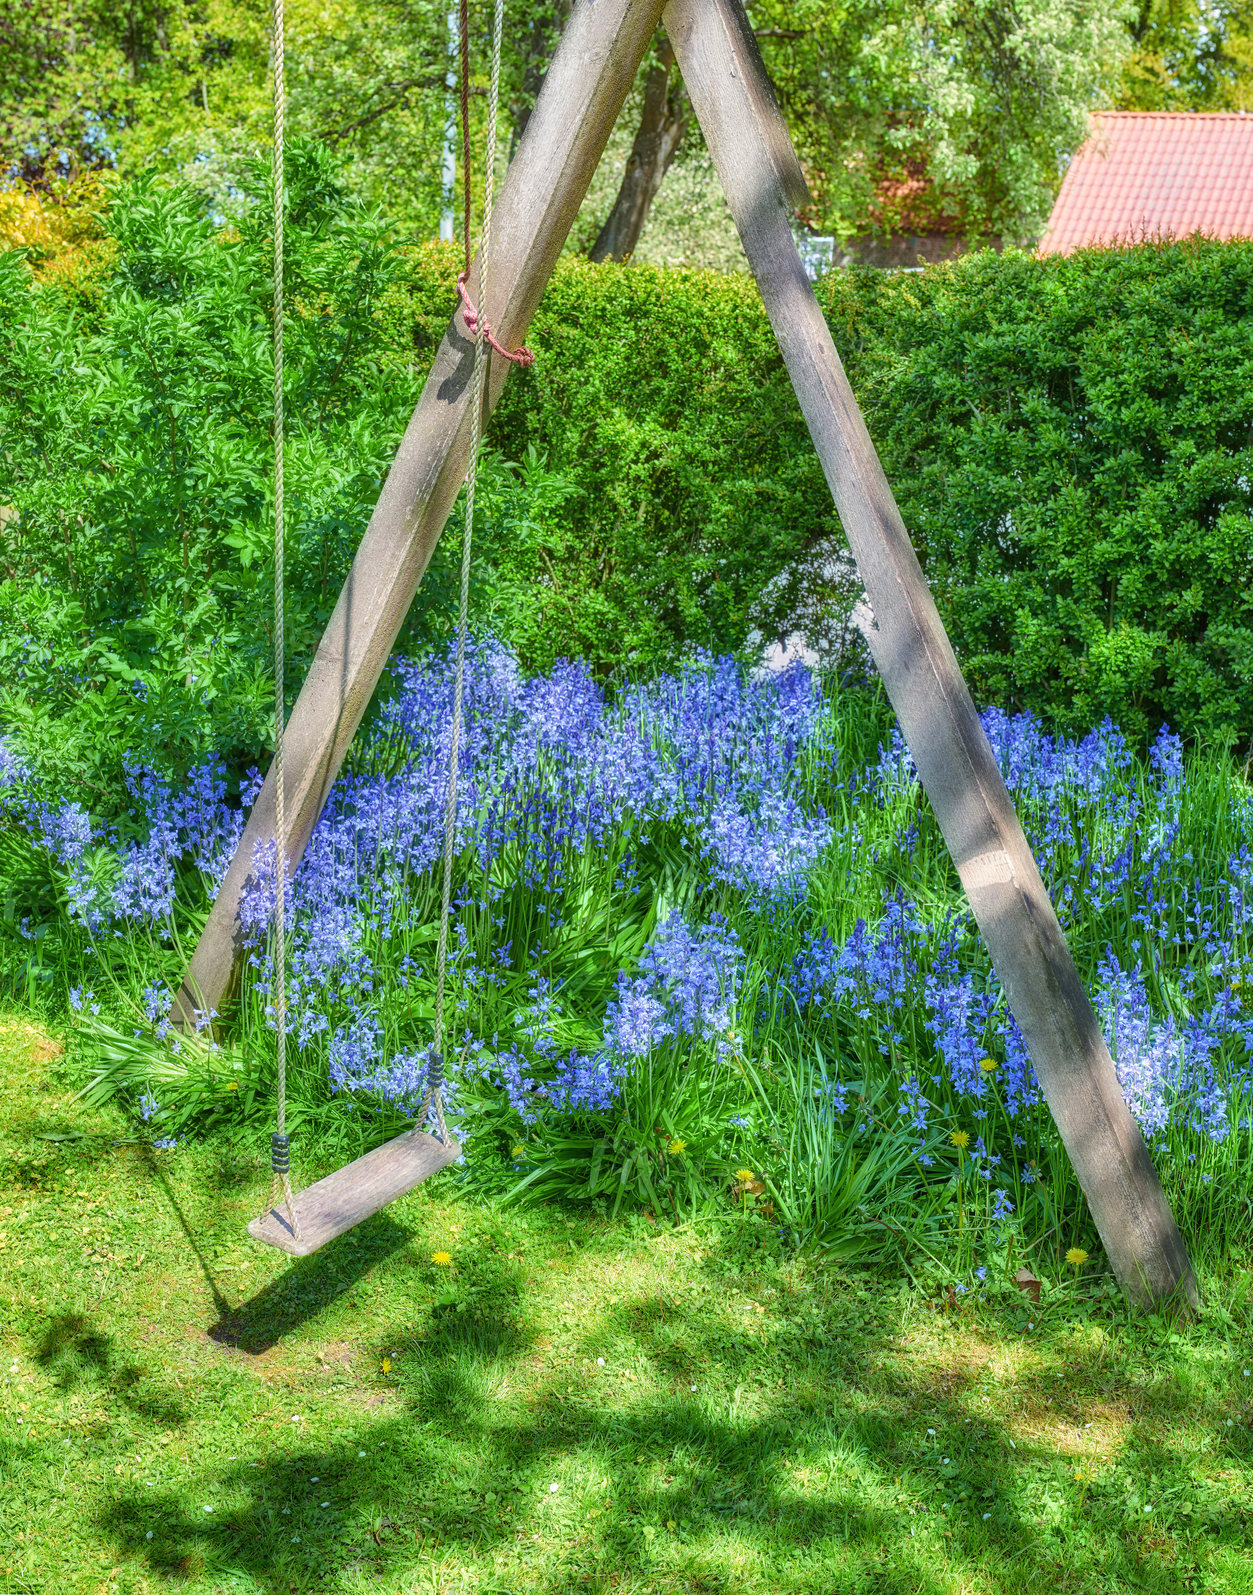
660, 133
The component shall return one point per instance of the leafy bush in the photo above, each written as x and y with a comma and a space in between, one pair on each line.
1069, 440
1071, 443
135, 455
661, 396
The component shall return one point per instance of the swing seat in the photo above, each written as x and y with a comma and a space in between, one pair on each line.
351, 1194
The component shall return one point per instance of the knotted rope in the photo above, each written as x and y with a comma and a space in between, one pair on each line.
521, 356
482, 341
280, 1162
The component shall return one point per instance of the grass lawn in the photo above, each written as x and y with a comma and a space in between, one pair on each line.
572, 1404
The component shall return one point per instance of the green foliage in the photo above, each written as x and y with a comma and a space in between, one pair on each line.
103, 82
843, 1192
909, 116
200, 1080
182, 87
135, 456
1069, 440
1189, 55
1071, 444
662, 396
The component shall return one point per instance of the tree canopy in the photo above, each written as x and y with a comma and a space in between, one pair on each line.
909, 115
1189, 55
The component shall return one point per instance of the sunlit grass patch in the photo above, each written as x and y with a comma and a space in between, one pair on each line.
827, 1441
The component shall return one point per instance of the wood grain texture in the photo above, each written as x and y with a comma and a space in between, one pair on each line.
352, 1194
583, 92
925, 684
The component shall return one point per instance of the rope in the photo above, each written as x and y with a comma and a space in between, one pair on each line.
482, 340
280, 1184
521, 356
463, 42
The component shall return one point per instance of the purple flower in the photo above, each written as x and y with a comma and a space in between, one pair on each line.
687, 984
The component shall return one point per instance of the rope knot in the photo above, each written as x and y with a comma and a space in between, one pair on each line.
521, 356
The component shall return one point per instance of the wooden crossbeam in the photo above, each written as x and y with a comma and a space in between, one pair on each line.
748, 139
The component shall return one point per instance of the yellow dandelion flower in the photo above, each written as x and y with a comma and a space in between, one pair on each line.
989, 1065
678, 1147
745, 1176
518, 1151
232, 1085
960, 1139
442, 1258
387, 1365
1076, 1257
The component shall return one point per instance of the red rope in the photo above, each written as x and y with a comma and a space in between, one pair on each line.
465, 120
521, 356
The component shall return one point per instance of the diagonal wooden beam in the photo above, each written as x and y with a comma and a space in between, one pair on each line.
583, 92
747, 137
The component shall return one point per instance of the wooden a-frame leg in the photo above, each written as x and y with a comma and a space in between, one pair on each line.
581, 98
583, 92
748, 139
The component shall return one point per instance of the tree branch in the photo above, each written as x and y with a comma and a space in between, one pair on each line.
400, 92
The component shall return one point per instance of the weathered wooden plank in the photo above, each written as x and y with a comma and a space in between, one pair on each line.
354, 1193
583, 92
723, 73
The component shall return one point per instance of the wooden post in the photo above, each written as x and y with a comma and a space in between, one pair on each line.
583, 92
748, 140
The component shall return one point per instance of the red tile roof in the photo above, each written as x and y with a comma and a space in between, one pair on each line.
1156, 174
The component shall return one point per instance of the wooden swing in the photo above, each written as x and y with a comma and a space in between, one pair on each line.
582, 94
303, 1222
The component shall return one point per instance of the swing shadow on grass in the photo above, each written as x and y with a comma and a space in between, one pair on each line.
306, 1288
816, 1485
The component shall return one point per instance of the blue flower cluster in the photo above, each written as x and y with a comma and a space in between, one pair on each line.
726, 767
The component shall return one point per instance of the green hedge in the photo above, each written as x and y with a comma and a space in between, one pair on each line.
670, 476
1070, 441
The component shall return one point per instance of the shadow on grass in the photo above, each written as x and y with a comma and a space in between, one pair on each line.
306, 1288
819, 1450
75, 1354
733, 1508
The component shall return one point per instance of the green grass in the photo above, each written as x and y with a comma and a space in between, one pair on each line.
759, 1423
